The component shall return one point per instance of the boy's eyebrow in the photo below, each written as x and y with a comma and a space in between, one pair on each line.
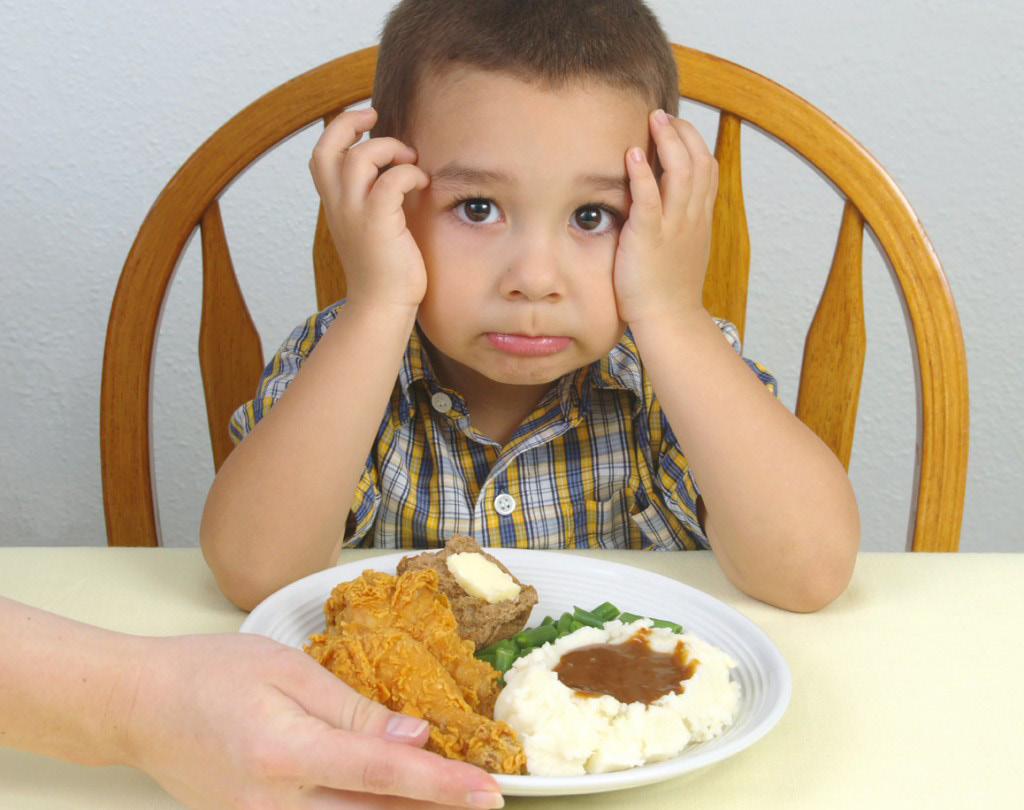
606, 182
457, 174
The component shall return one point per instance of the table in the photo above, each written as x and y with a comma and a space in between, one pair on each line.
906, 690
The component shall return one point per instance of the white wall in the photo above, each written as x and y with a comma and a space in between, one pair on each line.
101, 102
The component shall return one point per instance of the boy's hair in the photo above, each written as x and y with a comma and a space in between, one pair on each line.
553, 42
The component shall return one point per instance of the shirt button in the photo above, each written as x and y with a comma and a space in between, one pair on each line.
442, 402
504, 504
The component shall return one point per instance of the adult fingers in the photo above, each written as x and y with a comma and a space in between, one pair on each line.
368, 717
372, 749
366, 764
326, 697
325, 799
332, 148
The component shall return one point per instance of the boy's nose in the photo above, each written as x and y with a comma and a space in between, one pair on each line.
533, 272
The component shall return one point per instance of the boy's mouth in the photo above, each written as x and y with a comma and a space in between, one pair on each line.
530, 345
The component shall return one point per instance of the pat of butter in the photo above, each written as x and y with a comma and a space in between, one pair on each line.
481, 578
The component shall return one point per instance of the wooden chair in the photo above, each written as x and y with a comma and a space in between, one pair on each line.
229, 347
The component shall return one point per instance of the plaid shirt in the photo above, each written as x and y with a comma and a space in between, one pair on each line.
596, 464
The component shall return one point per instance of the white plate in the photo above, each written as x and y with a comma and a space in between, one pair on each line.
295, 612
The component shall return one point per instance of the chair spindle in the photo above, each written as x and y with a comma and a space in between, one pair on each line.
833, 361
230, 355
725, 285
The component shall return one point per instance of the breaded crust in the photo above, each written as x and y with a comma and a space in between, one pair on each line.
479, 621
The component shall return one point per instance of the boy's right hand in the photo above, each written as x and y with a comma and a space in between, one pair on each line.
362, 187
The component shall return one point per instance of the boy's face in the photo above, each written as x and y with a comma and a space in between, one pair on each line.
520, 224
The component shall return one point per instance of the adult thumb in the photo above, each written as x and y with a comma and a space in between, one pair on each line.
365, 716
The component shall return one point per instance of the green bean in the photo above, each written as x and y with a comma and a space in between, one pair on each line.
503, 659
535, 637
504, 644
675, 628
502, 654
606, 611
586, 617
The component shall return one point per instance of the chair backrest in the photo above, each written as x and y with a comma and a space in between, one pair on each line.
229, 346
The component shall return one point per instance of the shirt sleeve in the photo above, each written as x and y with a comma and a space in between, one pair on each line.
732, 337
675, 480
280, 371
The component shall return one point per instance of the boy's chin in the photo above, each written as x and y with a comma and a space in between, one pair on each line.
531, 372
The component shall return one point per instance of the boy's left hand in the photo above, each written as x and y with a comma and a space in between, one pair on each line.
663, 248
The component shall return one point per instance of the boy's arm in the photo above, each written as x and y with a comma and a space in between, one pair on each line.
277, 509
781, 516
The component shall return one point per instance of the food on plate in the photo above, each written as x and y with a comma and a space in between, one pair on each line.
481, 578
590, 691
614, 697
394, 640
479, 620
502, 654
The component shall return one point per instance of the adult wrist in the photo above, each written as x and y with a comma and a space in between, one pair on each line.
123, 730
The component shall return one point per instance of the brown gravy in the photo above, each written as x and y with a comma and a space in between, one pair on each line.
631, 672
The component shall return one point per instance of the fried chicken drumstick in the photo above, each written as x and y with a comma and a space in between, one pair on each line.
393, 639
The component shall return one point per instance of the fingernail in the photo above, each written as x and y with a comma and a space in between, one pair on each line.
404, 727
485, 800
661, 117
636, 155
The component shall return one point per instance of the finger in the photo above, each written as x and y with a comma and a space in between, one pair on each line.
704, 167
359, 714
677, 167
324, 799
361, 763
645, 209
384, 757
332, 147
388, 193
326, 697
363, 165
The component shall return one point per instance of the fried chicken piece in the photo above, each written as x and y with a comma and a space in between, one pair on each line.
411, 603
388, 665
479, 621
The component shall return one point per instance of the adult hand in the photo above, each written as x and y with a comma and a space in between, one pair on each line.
242, 721
363, 186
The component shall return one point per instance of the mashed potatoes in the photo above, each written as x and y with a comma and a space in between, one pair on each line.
565, 734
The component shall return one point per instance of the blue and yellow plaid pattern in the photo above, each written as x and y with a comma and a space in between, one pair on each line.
595, 465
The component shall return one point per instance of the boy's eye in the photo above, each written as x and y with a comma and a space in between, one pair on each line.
593, 218
478, 211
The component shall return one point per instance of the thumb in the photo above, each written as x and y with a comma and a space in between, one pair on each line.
367, 717
343, 707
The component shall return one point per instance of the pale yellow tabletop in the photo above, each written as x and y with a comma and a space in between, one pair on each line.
906, 692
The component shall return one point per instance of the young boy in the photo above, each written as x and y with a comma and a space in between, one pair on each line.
523, 355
